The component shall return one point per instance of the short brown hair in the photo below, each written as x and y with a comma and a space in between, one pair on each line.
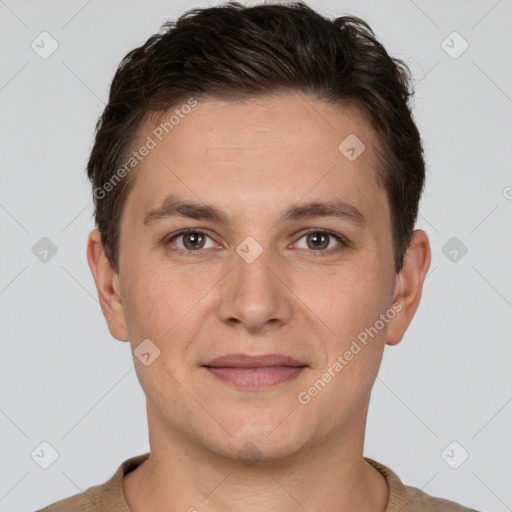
235, 52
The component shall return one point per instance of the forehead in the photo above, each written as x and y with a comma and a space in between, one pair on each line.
227, 126
258, 151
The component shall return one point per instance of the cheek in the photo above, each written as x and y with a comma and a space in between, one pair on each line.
351, 305
146, 298
348, 299
161, 301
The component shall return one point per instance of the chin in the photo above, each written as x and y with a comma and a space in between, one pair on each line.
270, 436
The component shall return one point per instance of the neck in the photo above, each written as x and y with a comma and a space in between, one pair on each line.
182, 475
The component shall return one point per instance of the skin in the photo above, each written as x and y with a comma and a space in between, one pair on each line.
253, 159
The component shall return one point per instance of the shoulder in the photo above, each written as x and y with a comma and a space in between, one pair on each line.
83, 502
420, 501
404, 498
108, 496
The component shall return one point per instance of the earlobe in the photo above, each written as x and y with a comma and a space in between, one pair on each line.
107, 286
409, 285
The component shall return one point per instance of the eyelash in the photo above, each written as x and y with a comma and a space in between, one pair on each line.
343, 242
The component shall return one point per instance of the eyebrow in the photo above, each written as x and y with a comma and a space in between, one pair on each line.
172, 207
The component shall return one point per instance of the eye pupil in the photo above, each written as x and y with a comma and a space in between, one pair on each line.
318, 236
192, 237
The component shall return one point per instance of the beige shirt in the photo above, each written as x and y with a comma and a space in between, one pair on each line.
109, 497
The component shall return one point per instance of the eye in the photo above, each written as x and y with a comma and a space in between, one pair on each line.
191, 240
319, 240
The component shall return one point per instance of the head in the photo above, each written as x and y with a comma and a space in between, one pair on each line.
292, 136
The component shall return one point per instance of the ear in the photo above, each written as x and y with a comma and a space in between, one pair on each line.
409, 285
107, 285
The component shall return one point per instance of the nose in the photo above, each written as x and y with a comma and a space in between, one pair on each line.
254, 294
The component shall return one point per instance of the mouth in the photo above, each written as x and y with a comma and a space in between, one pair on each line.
255, 372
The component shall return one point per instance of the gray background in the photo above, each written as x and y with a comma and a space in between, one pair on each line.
64, 380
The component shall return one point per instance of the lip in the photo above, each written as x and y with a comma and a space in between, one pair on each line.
255, 372
260, 361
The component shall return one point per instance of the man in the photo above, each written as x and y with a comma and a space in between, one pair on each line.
256, 177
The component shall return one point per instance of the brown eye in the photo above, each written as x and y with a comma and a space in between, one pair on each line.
317, 240
191, 240
322, 241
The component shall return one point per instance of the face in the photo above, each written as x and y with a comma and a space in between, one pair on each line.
251, 270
